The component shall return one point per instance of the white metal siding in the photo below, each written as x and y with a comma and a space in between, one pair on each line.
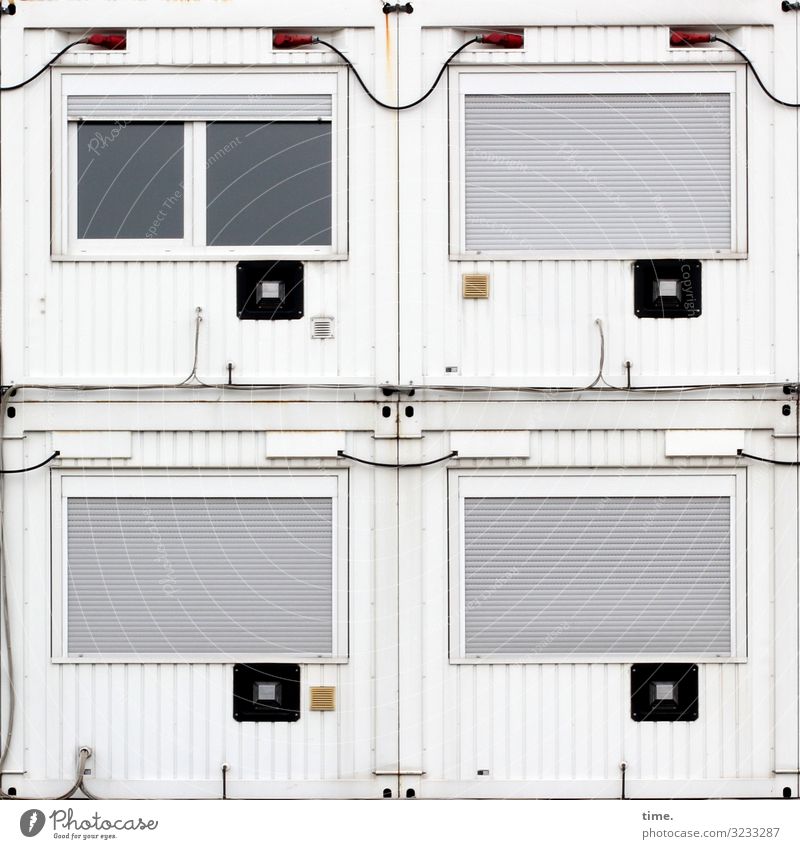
164, 728
532, 722
539, 320
193, 575
82, 318
598, 171
557, 724
169, 723
597, 575
91, 313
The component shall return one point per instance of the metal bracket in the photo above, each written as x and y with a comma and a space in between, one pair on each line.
790, 7
389, 390
389, 8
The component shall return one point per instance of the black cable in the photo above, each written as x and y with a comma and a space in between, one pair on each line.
389, 105
554, 390
746, 58
397, 465
31, 468
445, 387
43, 69
741, 453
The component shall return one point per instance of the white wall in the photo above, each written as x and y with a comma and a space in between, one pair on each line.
402, 706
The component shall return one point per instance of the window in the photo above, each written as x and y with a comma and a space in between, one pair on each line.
602, 566
201, 566
273, 187
200, 165
121, 192
598, 164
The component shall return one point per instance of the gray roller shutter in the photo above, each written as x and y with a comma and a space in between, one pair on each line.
598, 172
183, 575
597, 575
199, 107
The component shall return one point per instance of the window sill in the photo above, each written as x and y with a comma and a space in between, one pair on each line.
228, 660
229, 256
626, 255
580, 659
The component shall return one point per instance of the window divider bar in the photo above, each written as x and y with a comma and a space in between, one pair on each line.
197, 226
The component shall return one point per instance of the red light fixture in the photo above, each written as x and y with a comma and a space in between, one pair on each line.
108, 41
678, 38
284, 40
509, 40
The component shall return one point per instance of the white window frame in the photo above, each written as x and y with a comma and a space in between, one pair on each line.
579, 79
207, 484
568, 483
65, 244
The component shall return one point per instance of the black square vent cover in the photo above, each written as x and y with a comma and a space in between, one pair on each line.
667, 288
664, 692
268, 289
266, 692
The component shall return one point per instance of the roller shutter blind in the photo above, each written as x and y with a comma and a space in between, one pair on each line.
598, 172
192, 575
597, 575
200, 107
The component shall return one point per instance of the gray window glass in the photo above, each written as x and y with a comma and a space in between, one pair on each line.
130, 180
268, 183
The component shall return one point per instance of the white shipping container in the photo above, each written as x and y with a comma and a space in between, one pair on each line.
456, 476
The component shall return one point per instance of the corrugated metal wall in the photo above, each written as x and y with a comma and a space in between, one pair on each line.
166, 728
539, 320
531, 722
134, 320
541, 722
174, 721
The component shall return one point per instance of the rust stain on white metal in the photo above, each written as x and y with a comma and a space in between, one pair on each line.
389, 67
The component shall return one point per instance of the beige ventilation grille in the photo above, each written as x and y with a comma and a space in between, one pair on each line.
322, 327
322, 698
475, 285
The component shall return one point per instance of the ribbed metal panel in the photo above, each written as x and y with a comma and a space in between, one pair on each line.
597, 575
562, 722
199, 575
168, 107
538, 323
549, 722
91, 313
528, 721
593, 172
177, 717
537, 326
89, 337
